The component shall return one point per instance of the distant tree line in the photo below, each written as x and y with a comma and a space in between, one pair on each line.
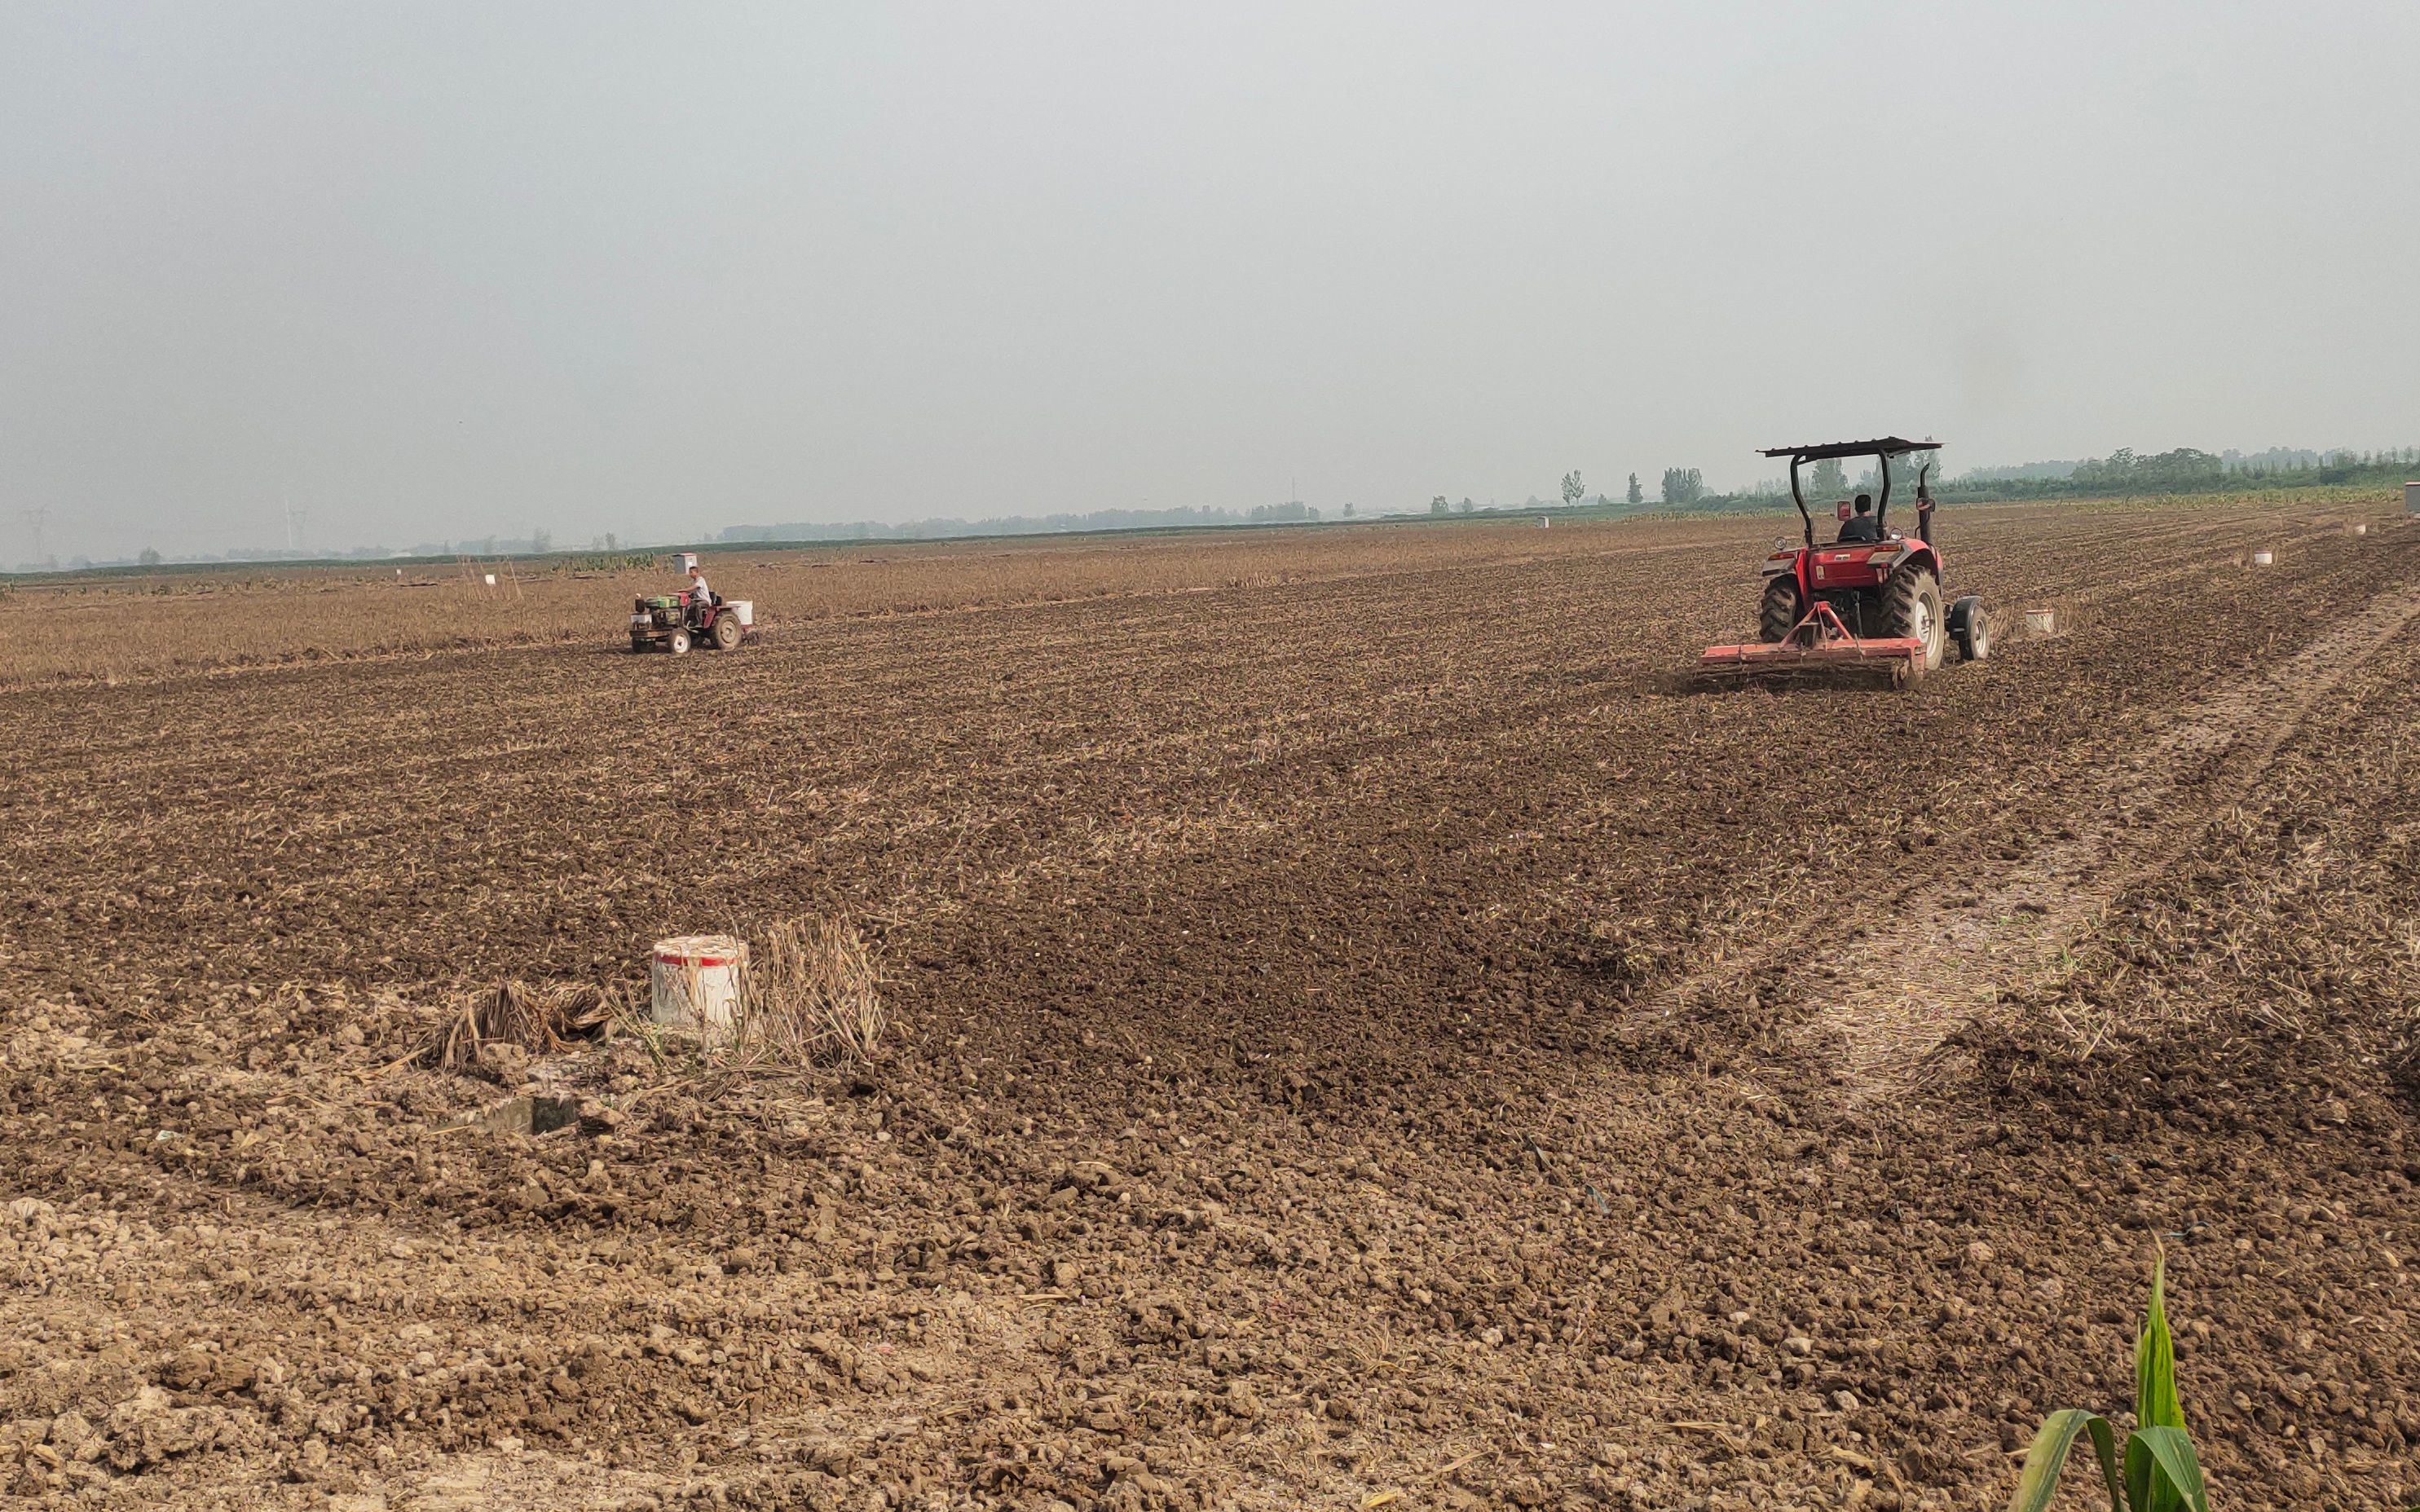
2185, 469
1683, 486
1290, 512
2189, 470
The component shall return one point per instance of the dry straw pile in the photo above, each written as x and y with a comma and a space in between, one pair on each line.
809, 994
538, 1020
812, 995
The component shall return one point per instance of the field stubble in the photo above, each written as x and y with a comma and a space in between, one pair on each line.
1362, 1032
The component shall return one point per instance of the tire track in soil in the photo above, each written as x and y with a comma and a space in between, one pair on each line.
1887, 999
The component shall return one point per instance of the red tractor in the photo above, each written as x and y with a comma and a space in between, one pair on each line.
1868, 602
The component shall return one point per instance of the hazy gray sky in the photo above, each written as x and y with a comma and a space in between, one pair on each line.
434, 271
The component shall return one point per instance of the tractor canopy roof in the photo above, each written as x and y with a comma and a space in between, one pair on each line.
1887, 445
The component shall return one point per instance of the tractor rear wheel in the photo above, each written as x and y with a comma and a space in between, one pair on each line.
1911, 611
726, 632
1779, 614
678, 642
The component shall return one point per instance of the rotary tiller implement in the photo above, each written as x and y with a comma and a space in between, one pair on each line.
1819, 648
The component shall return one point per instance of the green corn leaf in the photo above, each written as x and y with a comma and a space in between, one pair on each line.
2156, 1403
2104, 1448
2161, 1461
2038, 1481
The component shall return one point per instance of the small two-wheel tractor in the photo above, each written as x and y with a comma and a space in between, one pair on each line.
673, 622
1867, 606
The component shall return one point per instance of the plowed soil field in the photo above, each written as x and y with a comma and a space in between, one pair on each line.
1371, 1039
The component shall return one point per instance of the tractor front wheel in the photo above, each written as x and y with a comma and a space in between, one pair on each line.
1911, 611
1779, 614
678, 642
1971, 628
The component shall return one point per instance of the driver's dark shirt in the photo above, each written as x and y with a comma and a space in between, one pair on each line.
1857, 528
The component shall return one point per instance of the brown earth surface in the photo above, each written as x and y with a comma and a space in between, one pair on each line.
1371, 1039
143, 624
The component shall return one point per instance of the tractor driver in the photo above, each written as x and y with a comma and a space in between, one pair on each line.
1859, 526
700, 597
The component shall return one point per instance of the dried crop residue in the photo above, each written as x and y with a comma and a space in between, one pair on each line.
1350, 1035
521, 1021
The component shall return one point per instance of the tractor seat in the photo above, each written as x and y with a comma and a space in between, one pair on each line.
1857, 530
